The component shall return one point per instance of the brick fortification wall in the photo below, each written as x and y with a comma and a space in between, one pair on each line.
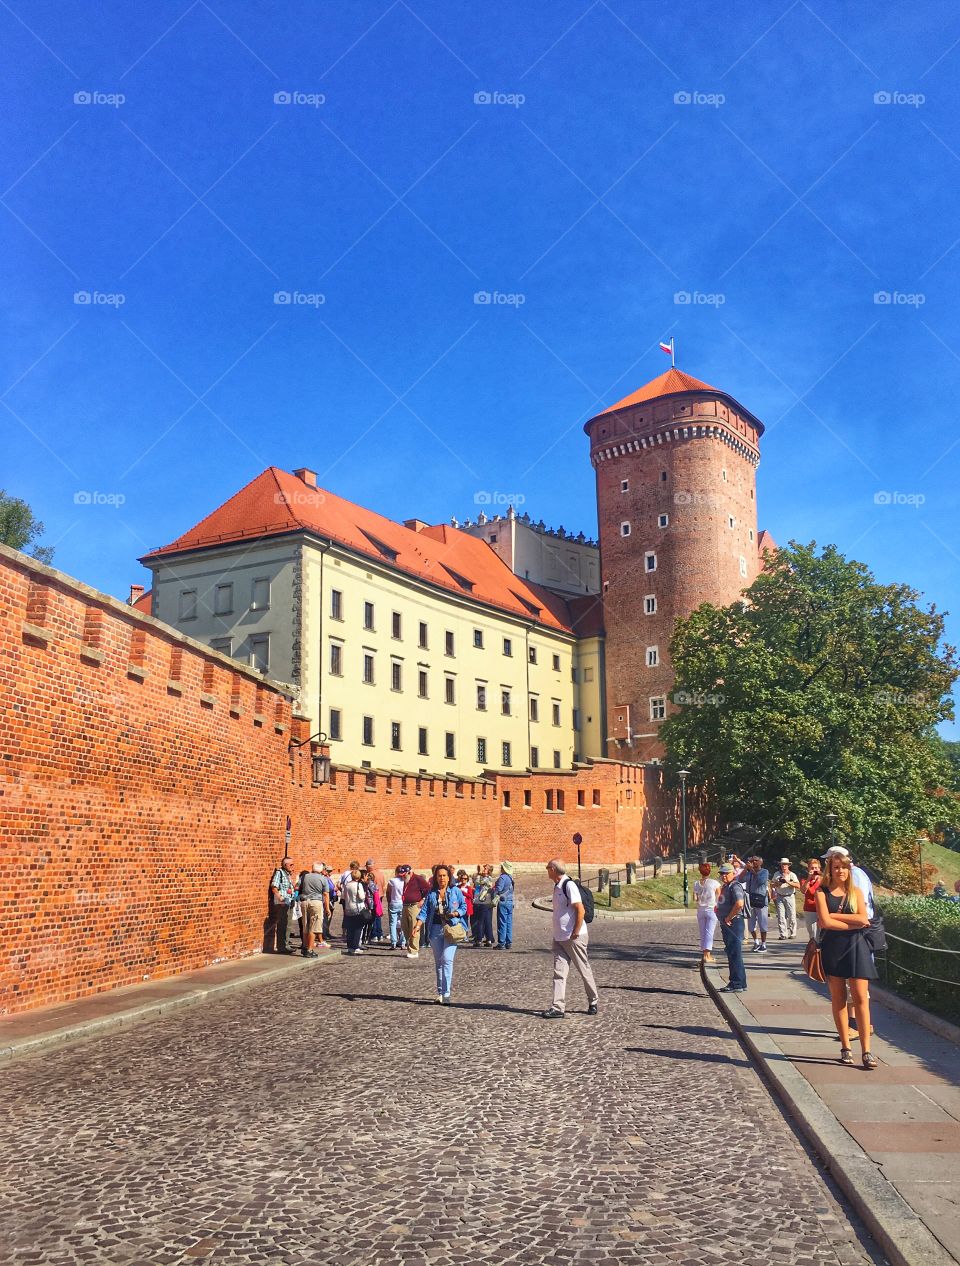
146, 783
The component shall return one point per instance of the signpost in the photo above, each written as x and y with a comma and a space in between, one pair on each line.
578, 840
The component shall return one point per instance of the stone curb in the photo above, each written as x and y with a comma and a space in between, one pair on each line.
910, 1011
899, 1231
135, 1014
628, 916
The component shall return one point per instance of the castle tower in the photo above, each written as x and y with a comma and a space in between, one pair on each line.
676, 502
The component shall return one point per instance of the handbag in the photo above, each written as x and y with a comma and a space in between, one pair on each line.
454, 933
813, 963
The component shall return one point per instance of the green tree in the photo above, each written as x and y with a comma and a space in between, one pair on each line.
19, 528
817, 693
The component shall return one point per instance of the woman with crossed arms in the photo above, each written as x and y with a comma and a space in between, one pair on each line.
845, 954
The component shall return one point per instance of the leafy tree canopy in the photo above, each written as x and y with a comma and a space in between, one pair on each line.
19, 528
817, 693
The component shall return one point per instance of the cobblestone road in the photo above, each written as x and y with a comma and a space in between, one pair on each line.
344, 1118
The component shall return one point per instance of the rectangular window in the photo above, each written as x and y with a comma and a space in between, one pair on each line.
422, 684
653, 656
395, 735
731, 521
336, 659
533, 654
743, 566
336, 604
658, 708
333, 729
478, 638
188, 604
396, 625
596, 799
223, 600
261, 594
548, 801
556, 663
624, 485
588, 674
556, 765
506, 799
368, 615
481, 751
422, 640
649, 561
624, 529
222, 644
396, 675
368, 669
555, 712
650, 605
422, 741
448, 646
534, 758
449, 690
581, 799
368, 731
507, 646
260, 653
560, 796
507, 758
527, 799
534, 708
505, 702
450, 745
663, 520
481, 698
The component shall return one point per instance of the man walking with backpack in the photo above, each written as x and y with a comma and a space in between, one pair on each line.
570, 918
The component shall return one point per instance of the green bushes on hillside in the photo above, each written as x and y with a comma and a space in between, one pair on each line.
931, 980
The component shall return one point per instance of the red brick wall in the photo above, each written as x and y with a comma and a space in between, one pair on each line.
146, 782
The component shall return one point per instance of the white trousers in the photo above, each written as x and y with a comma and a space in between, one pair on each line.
707, 919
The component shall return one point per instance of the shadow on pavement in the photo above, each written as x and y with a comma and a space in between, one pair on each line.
697, 1056
432, 1002
695, 1030
684, 993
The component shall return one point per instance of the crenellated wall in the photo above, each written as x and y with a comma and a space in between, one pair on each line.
147, 784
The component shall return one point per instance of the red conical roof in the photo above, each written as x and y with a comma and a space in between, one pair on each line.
672, 383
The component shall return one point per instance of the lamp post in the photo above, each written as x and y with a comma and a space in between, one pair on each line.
684, 775
832, 819
578, 840
920, 852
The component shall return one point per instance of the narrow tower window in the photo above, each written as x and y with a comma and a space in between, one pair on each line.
624, 529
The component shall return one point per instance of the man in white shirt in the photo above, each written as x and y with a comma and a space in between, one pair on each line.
569, 942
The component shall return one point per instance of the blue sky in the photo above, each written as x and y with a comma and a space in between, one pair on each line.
588, 163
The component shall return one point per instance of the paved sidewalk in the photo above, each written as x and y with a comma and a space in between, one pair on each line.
29, 1031
892, 1133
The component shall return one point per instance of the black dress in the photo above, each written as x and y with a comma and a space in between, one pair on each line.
845, 954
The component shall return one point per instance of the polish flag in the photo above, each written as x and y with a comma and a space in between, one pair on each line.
665, 347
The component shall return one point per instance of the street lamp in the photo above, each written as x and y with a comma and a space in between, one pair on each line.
832, 819
684, 775
920, 851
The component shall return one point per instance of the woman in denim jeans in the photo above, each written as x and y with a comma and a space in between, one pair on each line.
444, 907
395, 905
503, 897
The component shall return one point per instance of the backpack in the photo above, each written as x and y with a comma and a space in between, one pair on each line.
584, 895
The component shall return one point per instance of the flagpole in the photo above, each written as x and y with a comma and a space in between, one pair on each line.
673, 354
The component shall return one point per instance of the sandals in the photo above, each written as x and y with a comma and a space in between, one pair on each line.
846, 1055
869, 1061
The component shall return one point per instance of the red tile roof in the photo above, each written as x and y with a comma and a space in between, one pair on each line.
145, 603
586, 613
277, 502
672, 383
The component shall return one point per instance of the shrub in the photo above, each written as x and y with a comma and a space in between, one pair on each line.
908, 969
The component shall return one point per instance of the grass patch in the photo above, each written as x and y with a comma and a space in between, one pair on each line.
664, 893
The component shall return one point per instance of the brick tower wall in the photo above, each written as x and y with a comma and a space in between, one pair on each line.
694, 460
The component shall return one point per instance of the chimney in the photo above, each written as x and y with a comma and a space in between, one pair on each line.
309, 477
136, 593
415, 525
